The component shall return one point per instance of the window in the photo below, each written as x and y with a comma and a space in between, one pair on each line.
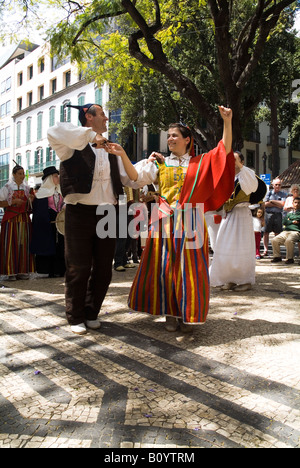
28, 158
29, 99
81, 99
250, 158
67, 78
41, 65
53, 86
19, 159
54, 63
65, 112
6, 85
4, 159
28, 130
2, 138
5, 109
7, 137
18, 136
20, 79
41, 92
30, 72
4, 173
39, 126
52, 117
19, 104
98, 96
50, 155
38, 156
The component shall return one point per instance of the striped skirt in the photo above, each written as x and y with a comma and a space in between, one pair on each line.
172, 278
15, 257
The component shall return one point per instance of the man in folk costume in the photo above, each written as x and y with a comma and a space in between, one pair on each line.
47, 242
233, 265
90, 178
172, 279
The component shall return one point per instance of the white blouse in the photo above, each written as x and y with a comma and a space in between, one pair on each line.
65, 138
148, 172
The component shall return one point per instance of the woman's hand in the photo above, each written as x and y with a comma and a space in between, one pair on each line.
17, 202
114, 148
117, 150
226, 113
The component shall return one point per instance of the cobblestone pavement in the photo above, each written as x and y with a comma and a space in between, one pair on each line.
233, 383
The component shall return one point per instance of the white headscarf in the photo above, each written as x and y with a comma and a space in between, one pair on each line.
7, 192
48, 188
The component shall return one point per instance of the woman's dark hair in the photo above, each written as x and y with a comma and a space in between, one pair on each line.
17, 168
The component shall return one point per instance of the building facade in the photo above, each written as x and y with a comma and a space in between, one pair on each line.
38, 94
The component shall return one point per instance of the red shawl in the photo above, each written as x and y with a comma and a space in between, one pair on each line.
209, 179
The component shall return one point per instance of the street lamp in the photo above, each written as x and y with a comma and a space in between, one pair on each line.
264, 158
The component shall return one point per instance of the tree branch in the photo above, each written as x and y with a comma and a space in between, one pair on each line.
265, 20
94, 20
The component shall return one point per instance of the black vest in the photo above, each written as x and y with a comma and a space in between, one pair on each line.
76, 173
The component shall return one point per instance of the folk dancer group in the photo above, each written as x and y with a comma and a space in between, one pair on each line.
173, 277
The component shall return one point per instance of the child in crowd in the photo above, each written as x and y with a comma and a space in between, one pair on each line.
258, 223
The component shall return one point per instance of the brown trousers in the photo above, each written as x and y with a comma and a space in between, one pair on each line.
88, 264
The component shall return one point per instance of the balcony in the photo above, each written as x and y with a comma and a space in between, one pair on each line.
38, 168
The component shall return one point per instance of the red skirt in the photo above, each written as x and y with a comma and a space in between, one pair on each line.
173, 275
15, 257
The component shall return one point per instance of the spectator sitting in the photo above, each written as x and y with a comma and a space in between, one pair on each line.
294, 193
289, 236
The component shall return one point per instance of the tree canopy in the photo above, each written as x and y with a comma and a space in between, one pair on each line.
169, 60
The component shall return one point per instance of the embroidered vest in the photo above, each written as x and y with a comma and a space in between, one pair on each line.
239, 196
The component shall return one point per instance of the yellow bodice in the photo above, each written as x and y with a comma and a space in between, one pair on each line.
171, 179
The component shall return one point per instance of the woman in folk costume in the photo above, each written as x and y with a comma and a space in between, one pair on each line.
172, 279
47, 243
233, 265
15, 259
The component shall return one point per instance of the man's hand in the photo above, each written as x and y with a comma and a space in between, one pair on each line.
100, 142
156, 157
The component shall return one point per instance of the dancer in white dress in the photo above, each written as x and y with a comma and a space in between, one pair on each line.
233, 264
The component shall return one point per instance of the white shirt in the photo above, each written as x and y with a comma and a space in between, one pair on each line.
148, 171
65, 138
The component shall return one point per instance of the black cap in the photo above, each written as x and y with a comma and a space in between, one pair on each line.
82, 111
49, 171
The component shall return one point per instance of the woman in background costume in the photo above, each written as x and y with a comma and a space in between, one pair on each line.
233, 265
47, 243
172, 279
15, 259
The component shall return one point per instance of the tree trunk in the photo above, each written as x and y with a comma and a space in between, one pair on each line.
274, 132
